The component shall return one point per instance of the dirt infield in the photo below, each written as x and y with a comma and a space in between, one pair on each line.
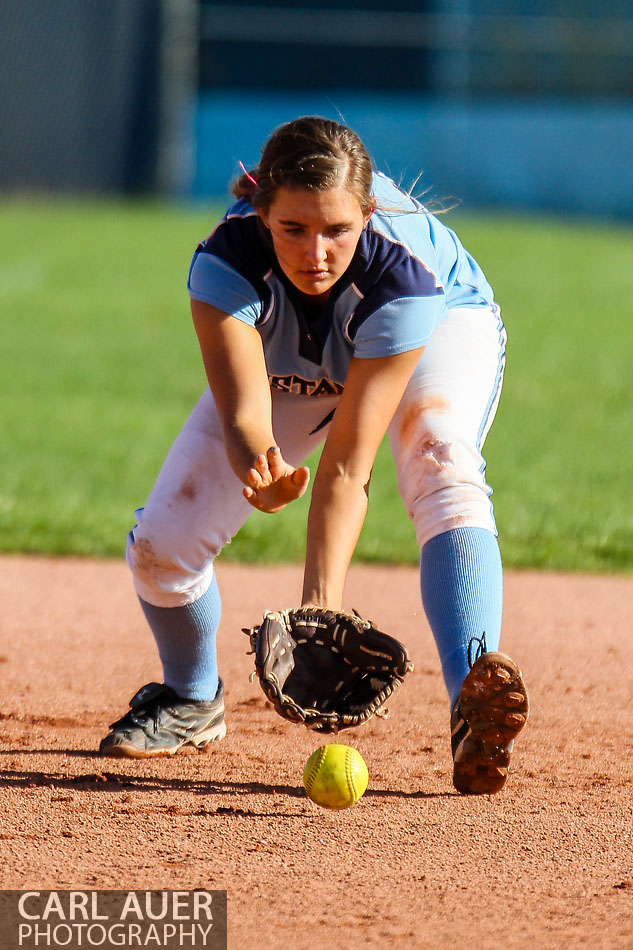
549, 861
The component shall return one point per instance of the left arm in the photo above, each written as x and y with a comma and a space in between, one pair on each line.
373, 390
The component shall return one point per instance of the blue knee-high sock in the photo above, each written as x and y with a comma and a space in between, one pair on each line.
462, 592
185, 637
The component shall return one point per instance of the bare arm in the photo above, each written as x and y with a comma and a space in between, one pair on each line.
373, 389
234, 361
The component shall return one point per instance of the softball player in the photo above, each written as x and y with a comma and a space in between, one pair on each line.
331, 307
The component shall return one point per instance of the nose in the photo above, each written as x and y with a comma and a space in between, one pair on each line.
316, 252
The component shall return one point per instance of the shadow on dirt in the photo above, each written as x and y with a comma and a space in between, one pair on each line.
116, 782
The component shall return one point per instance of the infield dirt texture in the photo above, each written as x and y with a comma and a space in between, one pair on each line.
548, 863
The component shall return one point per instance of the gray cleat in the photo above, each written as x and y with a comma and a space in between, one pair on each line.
160, 722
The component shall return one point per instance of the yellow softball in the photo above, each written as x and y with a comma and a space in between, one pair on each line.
335, 776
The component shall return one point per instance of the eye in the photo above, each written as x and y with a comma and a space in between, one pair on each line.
338, 231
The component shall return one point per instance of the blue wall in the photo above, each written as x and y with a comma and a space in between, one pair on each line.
557, 156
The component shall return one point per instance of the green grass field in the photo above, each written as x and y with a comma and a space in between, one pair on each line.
100, 367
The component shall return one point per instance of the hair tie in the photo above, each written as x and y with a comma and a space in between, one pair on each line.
248, 175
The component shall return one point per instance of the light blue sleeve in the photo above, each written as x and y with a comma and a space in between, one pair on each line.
213, 281
400, 325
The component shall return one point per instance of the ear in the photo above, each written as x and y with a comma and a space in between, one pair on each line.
368, 214
263, 217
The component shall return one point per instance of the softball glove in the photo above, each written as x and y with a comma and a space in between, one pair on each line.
326, 669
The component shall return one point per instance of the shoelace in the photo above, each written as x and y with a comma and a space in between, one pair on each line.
143, 714
480, 649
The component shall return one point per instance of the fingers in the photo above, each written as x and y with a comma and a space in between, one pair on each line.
278, 468
276, 495
263, 470
259, 475
301, 479
251, 497
271, 483
262, 500
267, 468
276, 464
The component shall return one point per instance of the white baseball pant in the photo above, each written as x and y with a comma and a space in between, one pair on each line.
436, 436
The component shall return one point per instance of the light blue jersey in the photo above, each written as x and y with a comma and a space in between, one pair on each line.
462, 280
407, 272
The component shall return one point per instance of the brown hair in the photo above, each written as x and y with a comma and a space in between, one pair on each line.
313, 153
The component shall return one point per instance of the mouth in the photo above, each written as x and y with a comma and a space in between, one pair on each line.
315, 274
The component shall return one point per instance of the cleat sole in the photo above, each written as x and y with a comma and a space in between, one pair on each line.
214, 734
482, 761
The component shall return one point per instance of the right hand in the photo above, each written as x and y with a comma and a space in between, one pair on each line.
272, 483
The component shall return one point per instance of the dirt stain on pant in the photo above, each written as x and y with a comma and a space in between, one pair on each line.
414, 415
143, 556
428, 459
145, 563
188, 491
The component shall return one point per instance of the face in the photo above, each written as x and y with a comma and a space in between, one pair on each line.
314, 235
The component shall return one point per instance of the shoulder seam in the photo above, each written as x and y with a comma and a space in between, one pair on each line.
406, 247
229, 217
